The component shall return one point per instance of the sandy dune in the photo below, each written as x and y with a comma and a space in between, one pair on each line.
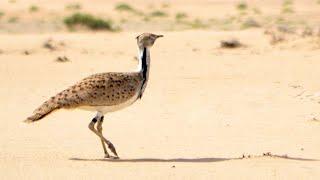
203, 109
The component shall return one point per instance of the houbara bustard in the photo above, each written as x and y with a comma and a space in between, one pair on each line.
104, 92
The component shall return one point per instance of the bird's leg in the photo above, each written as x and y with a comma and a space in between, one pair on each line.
91, 127
110, 145
99, 129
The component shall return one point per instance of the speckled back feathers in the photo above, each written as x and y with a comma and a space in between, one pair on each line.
104, 89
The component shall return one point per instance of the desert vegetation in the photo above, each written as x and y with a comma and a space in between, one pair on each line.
230, 43
181, 15
33, 8
74, 6
125, 7
287, 6
158, 13
242, 6
125, 15
13, 19
88, 21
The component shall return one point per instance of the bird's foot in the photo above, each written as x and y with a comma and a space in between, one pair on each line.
113, 149
107, 156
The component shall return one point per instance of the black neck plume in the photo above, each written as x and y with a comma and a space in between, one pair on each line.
144, 69
144, 63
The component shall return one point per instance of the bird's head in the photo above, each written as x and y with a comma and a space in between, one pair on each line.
147, 39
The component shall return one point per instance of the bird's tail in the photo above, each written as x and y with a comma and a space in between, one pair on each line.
46, 108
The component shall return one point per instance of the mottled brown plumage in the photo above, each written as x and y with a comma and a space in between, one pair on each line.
104, 89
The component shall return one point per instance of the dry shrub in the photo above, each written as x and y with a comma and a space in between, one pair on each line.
230, 43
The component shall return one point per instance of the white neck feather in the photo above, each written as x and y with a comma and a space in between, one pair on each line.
140, 55
144, 67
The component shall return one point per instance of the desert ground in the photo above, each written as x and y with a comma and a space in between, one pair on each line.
208, 112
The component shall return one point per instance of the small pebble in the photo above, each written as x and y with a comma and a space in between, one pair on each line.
62, 59
26, 52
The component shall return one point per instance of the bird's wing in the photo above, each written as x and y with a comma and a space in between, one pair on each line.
103, 89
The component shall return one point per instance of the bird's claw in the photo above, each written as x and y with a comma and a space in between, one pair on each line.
113, 149
107, 156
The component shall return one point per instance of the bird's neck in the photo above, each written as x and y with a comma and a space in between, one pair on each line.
144, 59
144, 66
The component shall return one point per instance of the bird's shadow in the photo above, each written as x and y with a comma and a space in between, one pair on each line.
187, 160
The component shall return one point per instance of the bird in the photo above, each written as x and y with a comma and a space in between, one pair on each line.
104, 93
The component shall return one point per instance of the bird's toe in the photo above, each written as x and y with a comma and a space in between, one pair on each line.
111, 157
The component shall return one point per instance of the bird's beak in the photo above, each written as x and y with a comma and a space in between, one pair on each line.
158, 36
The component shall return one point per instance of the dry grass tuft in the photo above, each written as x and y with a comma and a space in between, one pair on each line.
158, 13
242, 6
62, 59
250, 23
73, 6
89, 21
230, 43
53, 45
33, 8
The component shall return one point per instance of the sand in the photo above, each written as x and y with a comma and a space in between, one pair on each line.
207, 112
204, 108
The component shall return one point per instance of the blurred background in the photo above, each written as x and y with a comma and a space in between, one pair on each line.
24, 16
